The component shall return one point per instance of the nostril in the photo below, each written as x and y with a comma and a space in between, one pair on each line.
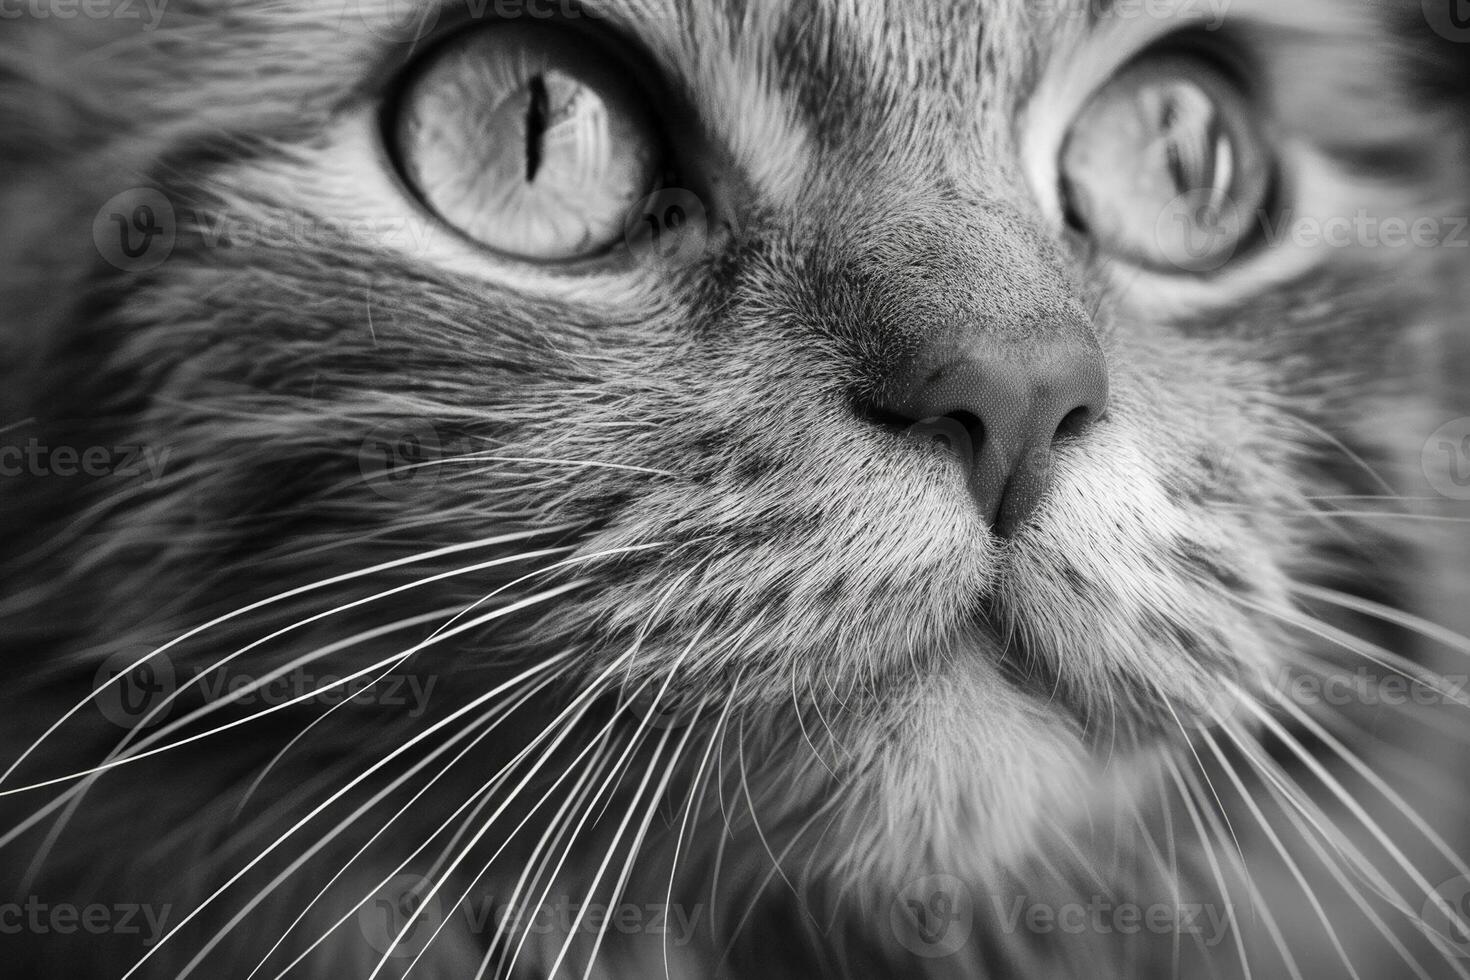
1071, 427
972, 425
998, 409
883, 418
959, 433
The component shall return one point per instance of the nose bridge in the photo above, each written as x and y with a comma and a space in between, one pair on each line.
1009, 276
999, 341
992, 288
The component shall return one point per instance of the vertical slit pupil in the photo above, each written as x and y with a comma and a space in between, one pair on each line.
536, 113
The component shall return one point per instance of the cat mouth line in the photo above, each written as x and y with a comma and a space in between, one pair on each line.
1017, 661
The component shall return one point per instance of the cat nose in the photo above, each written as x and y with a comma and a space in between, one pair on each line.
1002, 403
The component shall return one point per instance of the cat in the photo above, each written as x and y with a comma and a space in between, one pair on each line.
729, 488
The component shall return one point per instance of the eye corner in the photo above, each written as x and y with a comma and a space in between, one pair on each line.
1071, 212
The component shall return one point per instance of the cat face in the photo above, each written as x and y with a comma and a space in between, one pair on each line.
633, 324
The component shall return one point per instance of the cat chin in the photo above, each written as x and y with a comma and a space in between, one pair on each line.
963, 775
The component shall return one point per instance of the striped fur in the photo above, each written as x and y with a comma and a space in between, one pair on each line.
659, 483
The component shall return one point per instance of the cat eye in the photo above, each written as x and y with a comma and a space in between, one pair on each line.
1167, 168
530, 139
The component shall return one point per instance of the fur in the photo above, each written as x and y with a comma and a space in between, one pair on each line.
658, 486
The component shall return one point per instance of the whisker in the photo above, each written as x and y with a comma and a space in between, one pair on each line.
281, 597
566, 720
616, 772
1307, 828
695, 802
619, 888
1365, 515
1193, 809
750, 804
495, 713
589, 464
585, 700
608, 856
1394, 798
284, 705
1336, 788
1377, 610
1203, 772
558, 830
1369, 651
389, 664
1291, 865
356, 781
801, 724
1316, 430
617, 769
596, 767
489, 718
76, 794
759, 891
